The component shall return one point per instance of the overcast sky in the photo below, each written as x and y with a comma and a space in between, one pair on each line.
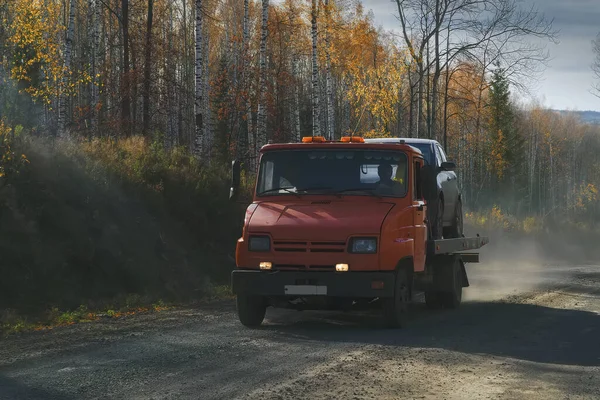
566, 83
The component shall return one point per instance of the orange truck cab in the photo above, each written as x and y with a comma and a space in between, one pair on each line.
343, 225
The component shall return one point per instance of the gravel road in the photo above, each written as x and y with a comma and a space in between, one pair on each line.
524, 332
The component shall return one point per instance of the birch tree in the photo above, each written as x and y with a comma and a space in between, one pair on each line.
148, 68
248, 142
62, 101
316, 128
596, 66
94, 33
261, 136
329, 83
199, 104
297, 130
125, 88
207, 122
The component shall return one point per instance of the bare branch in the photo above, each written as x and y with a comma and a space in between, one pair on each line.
596, 66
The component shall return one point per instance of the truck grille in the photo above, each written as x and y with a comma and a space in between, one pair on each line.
285, 246
283, 267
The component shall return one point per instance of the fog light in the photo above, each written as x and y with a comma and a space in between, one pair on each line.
266, 265
341, 267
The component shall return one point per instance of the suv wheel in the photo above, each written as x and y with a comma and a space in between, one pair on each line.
437, 227
456, 230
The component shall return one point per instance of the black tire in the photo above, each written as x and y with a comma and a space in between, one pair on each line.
453, 298
437, 226
432, 300
457, 228
251, 310
395, 309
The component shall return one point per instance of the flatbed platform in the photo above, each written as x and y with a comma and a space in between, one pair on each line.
457, 245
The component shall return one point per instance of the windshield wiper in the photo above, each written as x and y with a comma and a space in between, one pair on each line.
310, 189
362, 190
286, 189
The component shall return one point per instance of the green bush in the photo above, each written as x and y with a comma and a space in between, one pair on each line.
91, 221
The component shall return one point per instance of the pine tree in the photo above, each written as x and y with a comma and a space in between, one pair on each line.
508, 146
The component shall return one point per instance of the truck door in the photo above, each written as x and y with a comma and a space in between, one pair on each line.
420, 215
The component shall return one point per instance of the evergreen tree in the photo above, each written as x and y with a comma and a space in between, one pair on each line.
508, 146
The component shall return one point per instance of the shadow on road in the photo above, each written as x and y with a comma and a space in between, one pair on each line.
521, 331
11, 389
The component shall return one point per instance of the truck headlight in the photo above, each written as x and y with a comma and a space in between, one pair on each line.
259, 243
363, 245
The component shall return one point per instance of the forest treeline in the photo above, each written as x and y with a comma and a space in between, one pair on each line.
220, 78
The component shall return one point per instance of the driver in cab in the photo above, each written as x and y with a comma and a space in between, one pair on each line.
387, 185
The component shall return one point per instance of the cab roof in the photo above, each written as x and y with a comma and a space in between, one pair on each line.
392, 145
337, 145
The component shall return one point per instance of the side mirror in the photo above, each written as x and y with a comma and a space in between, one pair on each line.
235, 180
448, 166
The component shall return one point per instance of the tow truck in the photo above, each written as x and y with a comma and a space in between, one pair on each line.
344, 225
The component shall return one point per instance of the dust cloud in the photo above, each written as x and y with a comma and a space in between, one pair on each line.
516, 264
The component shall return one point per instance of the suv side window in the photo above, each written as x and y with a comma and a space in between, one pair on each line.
417, 188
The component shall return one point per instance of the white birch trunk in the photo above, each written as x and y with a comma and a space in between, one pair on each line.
316, 131
532, 164
249, 132
172, 117
297, 131
208, 127
45, 114
94, 32
62, 100
329, 85
199, 86
261, 137
552, 189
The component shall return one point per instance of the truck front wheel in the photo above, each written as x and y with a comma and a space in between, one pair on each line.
395, 309
251, 310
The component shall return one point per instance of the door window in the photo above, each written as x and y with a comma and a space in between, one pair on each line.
417, 188
442, 154
438, 156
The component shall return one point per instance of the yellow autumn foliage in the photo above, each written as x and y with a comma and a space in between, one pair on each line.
586, 197
36, 37
10, 161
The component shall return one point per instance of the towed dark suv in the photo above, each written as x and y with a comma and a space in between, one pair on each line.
444, 197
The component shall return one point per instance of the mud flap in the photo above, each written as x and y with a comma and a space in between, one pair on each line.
465, 279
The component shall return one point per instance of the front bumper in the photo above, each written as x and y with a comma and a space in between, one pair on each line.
338, 284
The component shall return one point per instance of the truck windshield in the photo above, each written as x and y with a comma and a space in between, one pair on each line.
340, 172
